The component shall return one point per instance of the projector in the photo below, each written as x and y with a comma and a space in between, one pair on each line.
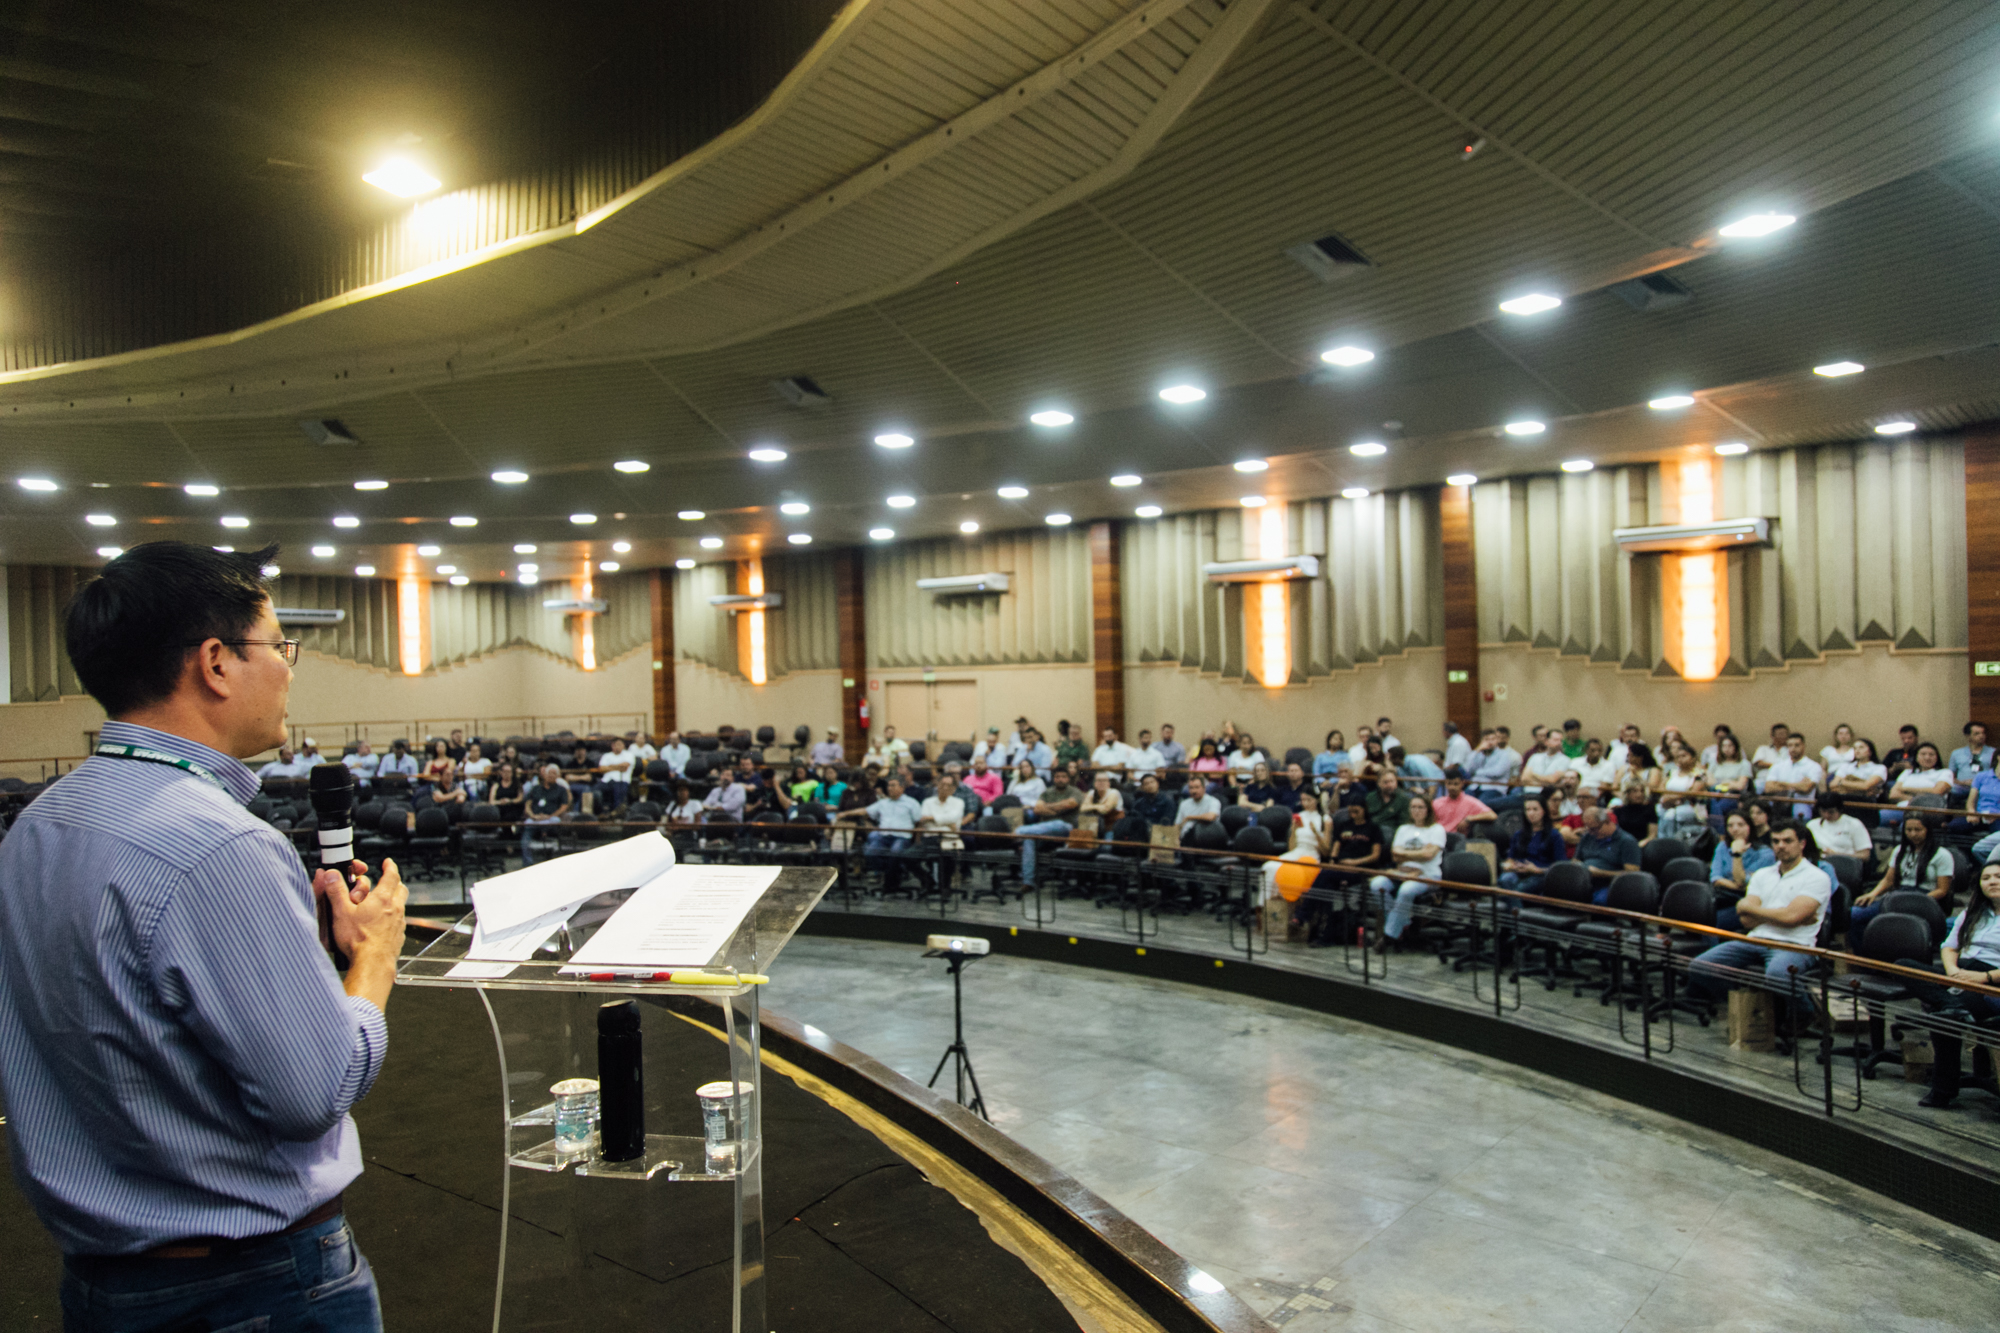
971, 948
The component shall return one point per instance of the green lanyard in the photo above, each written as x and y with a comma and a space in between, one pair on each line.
145, 756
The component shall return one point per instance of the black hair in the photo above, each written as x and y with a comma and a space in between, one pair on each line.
1978, 906
1572, 725
1903, 846
129, 630
1805, 836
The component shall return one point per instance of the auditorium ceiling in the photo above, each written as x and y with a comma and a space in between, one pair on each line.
948, 217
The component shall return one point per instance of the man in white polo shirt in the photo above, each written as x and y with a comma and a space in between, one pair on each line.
1110, 751
1795, 775
1786, 902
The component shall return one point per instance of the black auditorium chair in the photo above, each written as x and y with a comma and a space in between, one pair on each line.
1463, 944
703, 744
430, 842
1691, 901
481, 845
1236, 817
1604, 940
1888, 938
1301, 756
991, 846
1910, 902
1549, 928
1682, 868
1278, 819
1653, 857
919, 750
1244, 878
1205, 881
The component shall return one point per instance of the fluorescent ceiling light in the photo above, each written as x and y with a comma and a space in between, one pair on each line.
1052, 418
1835, 369
402, 178
1147, 511
711, 543
621, 547
1058, 520
1757, 224
1250, 465
1525, 427
882, 534
202, 490
1578, 465
1534, 303
1368, 449
683, 563
632, 465
323, 552
459, 580
1355, 493
111, 552
371, 485
768, 455
795, 507
901, 501
527, 580
527, 567
36, 484
1347, 356
524, 548
464, 521
1670, 401
969, 527
800, 539
340, 521
691, 515
272, 571
364, 571
1012, 492
447, 569
1730, 447
235, 521
1183, 393
428, 551
1254, 502
894, 440
608, 566
100, 520
583, 520
510, 478
223, 549
1127, 479
1461, 479
1895, 428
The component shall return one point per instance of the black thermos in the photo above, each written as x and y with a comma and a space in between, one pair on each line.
621, 1082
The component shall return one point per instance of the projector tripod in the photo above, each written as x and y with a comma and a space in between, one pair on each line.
956, 1054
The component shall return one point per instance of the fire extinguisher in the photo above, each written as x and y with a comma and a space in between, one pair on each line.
862, 710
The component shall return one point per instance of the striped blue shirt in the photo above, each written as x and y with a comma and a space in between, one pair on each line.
176, 1051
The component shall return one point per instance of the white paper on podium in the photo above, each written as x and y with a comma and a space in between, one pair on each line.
516, 945
683, 918
508, 903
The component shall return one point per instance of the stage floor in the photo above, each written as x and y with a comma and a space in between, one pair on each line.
1340, 1177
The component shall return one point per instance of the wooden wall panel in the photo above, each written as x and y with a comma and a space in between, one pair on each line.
1461, 609
660, 586
852, 613
1982, 564
1107, 624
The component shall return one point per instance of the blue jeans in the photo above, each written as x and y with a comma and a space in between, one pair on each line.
1520, 883
1712, 975
312, 1281
531, 831
880, 849
1983, 850
1397, 916
1047, 827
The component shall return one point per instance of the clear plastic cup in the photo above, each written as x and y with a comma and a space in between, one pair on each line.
724, 1106
576, 1114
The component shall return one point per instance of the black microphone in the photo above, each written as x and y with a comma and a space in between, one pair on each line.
331, 789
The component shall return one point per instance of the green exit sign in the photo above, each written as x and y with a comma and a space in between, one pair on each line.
1986, 668
1462, 677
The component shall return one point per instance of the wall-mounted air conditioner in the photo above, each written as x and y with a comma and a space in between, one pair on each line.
576, 606
732, 602
308, 615
1262, 571
1725, 534
962, 584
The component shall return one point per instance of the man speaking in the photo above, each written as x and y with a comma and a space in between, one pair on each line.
176, 1051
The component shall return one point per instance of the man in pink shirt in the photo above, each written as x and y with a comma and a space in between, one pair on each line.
984, 781
1455, 809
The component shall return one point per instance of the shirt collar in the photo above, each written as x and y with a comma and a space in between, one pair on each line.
236, 778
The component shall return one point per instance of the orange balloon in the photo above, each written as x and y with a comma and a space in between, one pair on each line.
1295, 877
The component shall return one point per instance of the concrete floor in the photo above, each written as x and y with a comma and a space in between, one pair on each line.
1337, 1177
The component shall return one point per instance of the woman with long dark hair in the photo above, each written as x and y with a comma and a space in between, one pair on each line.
1418, 849
1971, 953
1920, 864
1535, 846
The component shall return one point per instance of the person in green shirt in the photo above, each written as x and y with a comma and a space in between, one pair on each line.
829, 789
1069, 745
1388, 805
1573, 741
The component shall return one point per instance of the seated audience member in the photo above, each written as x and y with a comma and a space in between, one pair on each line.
1535, 846
1143, 758
830, 789
1417, 848
684, 808
1386, 735
1767, 755
1971, 953
1628, 735
1680, 815
1713, 750
286, 765
1905, 753
1038, 752
1840, 751
875, 756
363, 762
1359, 750
1355, 848
1974, 756
1388, 805
309, 753
727, 798
1860, 778
1103, 800
1634, 811
894, 747
1494, 768
1070, 745
1244, 759
1729, 774
1594, 769
1256, 793
1796, 775
1457, 749
1639, 763
828, 751
1920, 864
1605, 846
1374, 762
446, 794
1572, 739
1207, 759
1458, 812
1837, 833
985, 783
1546, 765
455, 747
439, 763
1197, 807
1151, 804
1111, 752
1927, 782
1053, 815
991, 748
475, 769
1172, 753
1420, 771
1334, 759
1288, 787
943, 811
1740, 853
1309, 826
676, 752
616, 783
1027, 784
642, 748
507, 793
578, 768
548, 800
894, 817
1785, 902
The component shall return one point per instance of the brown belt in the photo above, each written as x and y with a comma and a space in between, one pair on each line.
205, 1247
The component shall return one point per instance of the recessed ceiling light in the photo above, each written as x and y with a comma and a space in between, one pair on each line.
402, 178
364, 571
527, 580
1895, 428
1052, 418
323, 552
1368, 449
1534, 303
1127, 479
428, 551
235, 521
894, 440
36, 484
510, 478
1183, 393
524, 548
1147, 511
1460, 479
1355, 493
447, 569
459, 580
339, 521
711, 543
1012, 492
101, 520
111, 552
621, 547
1730, 447
608, 566
527, 567
1250, 465
795, 507
768, 455
901, 501
1254, 502
1347, 356
464, 521
1670, 401
1057, 520
1757, 224
632, 465
692, 515
1578, 465
202, 490
272, 571
1835, 369
882, 534
969, 527
371, 485
1525, 427
683, 563
800, 539
583, 520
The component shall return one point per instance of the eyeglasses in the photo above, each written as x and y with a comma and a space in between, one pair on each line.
287, 648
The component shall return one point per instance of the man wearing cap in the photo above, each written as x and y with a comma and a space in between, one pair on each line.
829, 751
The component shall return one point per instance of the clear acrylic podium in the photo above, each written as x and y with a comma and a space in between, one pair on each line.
590, 1224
